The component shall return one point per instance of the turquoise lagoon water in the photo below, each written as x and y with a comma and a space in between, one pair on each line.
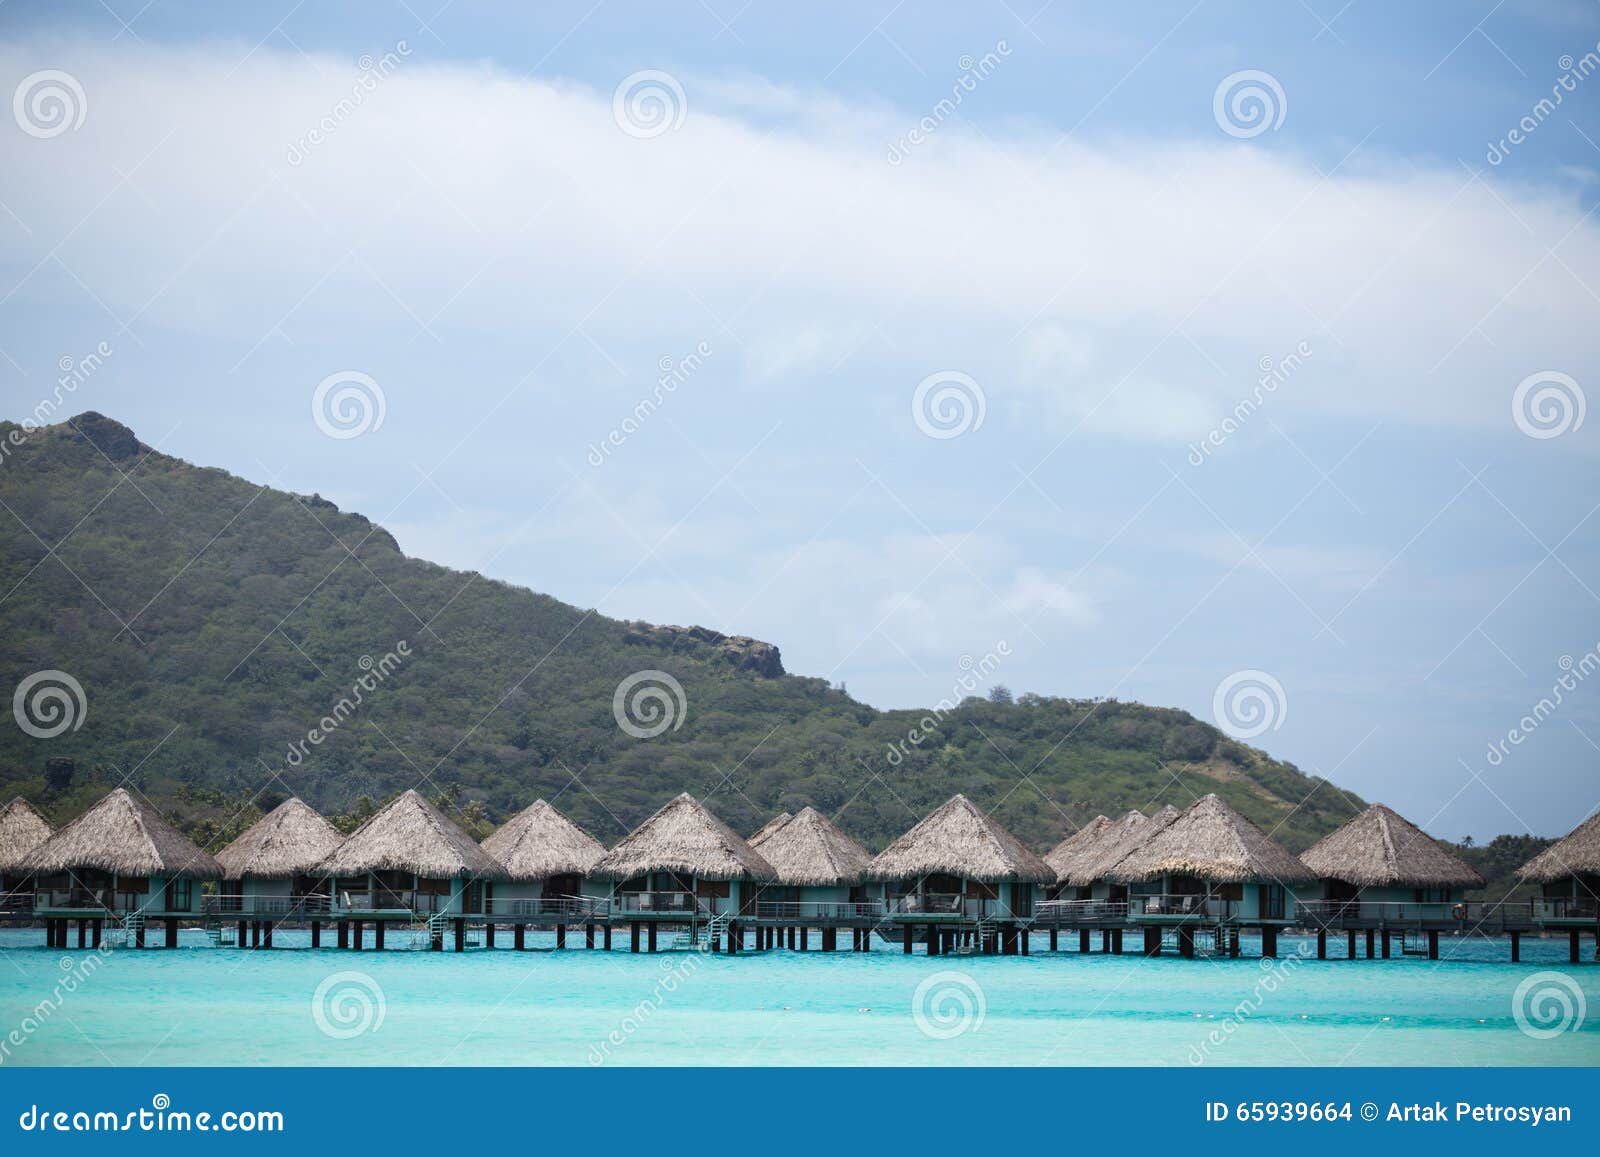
199, 1005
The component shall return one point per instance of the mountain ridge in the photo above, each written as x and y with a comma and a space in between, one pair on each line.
216, 625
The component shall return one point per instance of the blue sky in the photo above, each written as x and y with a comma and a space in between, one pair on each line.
510, 251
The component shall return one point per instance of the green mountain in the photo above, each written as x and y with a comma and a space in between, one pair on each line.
212, 624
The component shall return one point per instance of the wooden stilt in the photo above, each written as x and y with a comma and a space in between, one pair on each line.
1350, 950
1116, 941
1105, 940
316, 933
1574, 947
588, 936
1269, 941
1516, 948
377, 934
95, 930
1023, 937
356, 932
908, 935
633, 935
1433, 945
255, 934
266, 935
1055, 939
1233, 943
519, 937
561, 935
461, 934
1372, 943
607, 941
343, 934
1152, 942
1385, 943
1083, 940
83, 933
1186, 942
651, 937
488, 934
1322, 944
805, 940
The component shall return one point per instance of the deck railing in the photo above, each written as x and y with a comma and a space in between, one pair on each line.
1568, 908
1185, 906
227, 905
16, 900
384, 899
1086, 911
569, 907
819, 909
941, 904
669, 903
1469, 914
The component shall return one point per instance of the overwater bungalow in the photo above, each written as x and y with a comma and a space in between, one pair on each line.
273, 870
1211, 866
821, 873
409, 860
22, 829
119, 861
958, 865
1379, 866
547, 859
1073, 850
1568, 875
683, 864
1085, 895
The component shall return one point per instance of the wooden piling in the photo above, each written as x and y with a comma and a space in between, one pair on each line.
356, 932
607, 941
908, 935
378, 927
488, 934
1433, 945
633, 935
519, 937
1372, 942
1574, 947
1083, 940
1269, 941
461, 934
1055, 940
83, 933
1516, 948
650, 938
95, 929
266, 935
1386, 944
561, 935
1322, 944
1116, 941
343, 934
1350, 950
1105, 940
316, 933
1152, 941
588, 936
1185, 942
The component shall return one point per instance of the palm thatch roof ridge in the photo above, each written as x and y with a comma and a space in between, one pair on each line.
290, 840
411, 835
960, 839
1131, 833
539, 842
124, 835
809, 851
685, 837
22, 829
766, 829
1214, 842
1072, 851
1575, 854
1382, 848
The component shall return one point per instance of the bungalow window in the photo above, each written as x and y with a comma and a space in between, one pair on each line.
1431, 895
978, 890
1233, 891
180, 895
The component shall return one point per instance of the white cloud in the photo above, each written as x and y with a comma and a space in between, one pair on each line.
461, 197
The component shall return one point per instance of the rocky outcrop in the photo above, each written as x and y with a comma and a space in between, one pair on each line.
743, 652
110, 436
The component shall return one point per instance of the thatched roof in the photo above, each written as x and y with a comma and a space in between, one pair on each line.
809, 851
22, 829
1128, 835
539, 842
1380, 848
124, 835
411, 835
960, 839
1072, 851
684, 837
768, 828
290, 840
1577, 854
1213, 842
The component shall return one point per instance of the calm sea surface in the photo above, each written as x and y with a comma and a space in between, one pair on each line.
200, 1005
